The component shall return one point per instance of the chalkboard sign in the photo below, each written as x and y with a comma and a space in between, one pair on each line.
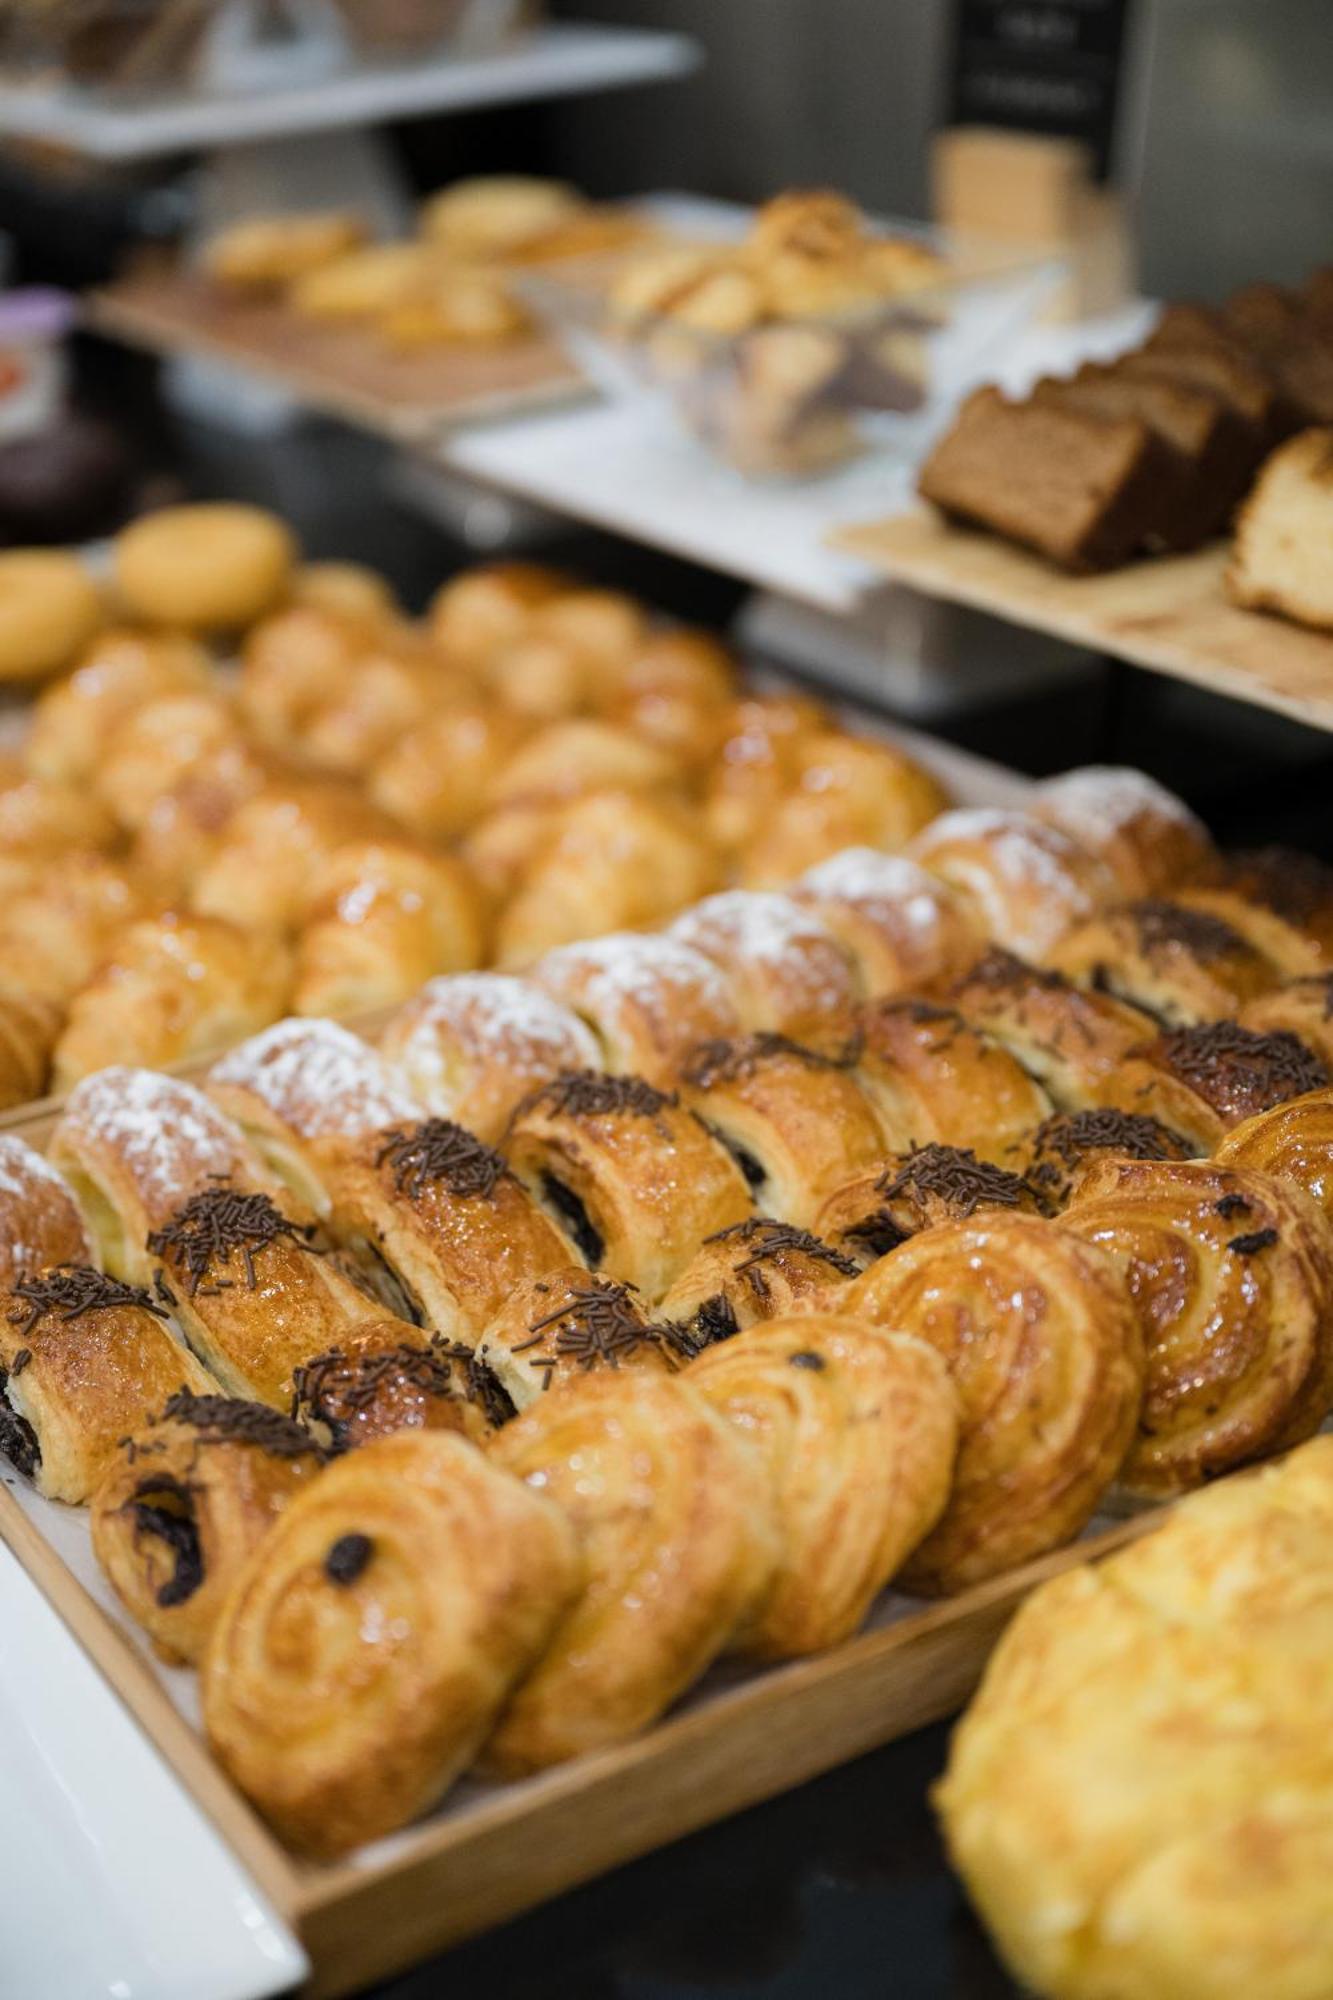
1040, 66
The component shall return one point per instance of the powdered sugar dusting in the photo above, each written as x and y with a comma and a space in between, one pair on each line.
167, 1136
1029, 881
1099, 801
888, 887
487, 1017
319, 1079
25, 1173
755, 930
639, 970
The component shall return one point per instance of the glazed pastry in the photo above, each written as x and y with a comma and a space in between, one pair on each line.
1280, 902
1069, 1038
378, 1382
83, 1359
381, 919
179, 833
1293, 1141
473, 615
29, 1026
786, 971
605, 627
542, 678
850, 793
471, 1046
503, 848
858, 1431
439, 777
41, 1224
50, 607
793, 1119
582, 755
73, 720
675, 691
1147, 837
58, 930
185, 1501
1178, 964
171, 987
930, 1076
394, 685
264, 253
757, 764
1025, 882
1303, 1007
156, 747
1053, 1160
1231, 1274
647, 1000
752, 1271
48, 816
675, 1522
902, 928
333, 1735
210, 566
872, 1213
631, 1175
292, 663
569, 1324
1046, 1353
274, 846
1204, 1080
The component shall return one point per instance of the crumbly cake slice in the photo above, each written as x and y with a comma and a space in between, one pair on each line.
1190, 344
1283, 557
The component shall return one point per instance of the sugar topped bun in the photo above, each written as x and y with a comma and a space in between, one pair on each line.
647, 1000
786, 971
1027, 882
1148, 838
903, 928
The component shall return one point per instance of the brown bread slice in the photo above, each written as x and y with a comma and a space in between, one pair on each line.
1294, 344
1190, 344
1078, 489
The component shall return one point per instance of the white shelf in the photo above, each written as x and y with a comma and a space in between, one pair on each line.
554, 61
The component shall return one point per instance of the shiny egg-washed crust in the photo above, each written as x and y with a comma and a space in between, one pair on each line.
382, 918
930, 1076
630, 1174
271, 849
1146, 836
1283, 884
1303, 1007
795, 1120
755, 1270
646, 999
1203, 1080
1068, 1038
1297, 951
758, 761
386, 1377
83, 1359
902, 928
121, 669
1178, 964
572, 1323
1293, 1142
335, 1735
849, 792
1231, 1274
185, 1501
29, 1026
474, 614
858, 1430
1137, 1799
1054, 1157
675, 1519
1046, 1353
872, 1213
438, 777
785, 970
41, 1224
1025, 882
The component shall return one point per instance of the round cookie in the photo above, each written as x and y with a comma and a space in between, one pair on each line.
49, 609
211, 566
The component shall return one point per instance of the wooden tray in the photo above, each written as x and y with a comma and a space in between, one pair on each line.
1168, 614
343, 370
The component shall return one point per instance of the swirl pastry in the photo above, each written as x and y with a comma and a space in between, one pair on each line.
849, 793
1203, 1080
1046, 1353
83, 1359
858, 1430
872, 1213
1025, 882
1069, 1039
675, 1521
183, 1504
786, 972
1302, 1007
469, 1047
1283, 905
41, 1224
793, 1119
438, 778
647, 1000
382, 918
1054, 1158
1293, 1142
628, 1172
931, 1077
1231, 1274
1181, 965
572, 1323
335, 1736
755, 1270
902, 928
376, 1382
1147, 837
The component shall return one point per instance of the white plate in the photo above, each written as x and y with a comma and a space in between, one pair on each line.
115, 1886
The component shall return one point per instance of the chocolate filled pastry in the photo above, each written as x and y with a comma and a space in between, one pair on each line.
902, 928
675, 1521
632, 1177
872, 1213
1025, 882
647, 1000
793, 1119
1179, 965
755, 1270
570, 1324
83, 1359
858, 1431
1067, 1037
470, 1046
1045, 1350
187, 1498
1147, 837
1283, 905
1231, 1274
1293, 1142
785, 970
41, 1224
381, 918
932, 1077
1204, 1080
1054, 1158
334, 1735
378, 1381
1303, 1007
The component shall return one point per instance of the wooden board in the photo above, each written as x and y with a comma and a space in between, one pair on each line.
1168, 614
343, 370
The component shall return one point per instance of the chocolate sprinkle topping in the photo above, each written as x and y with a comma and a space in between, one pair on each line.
599, 1323
1258, 1239
807, 1358
481, 1383
1285, 880
20, 1362
70, 1290
588, 1093
1070, 1134
335, 1386
1001, 971
347, 1558
957, 1176
218, 1224
439, 1150
1235, 1069
715, 1320
775, 1239
1162, 926
730, 1061
233, 1420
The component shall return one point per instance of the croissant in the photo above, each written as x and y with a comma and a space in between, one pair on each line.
757, 763
679, 1544
873, 1212
186, 1500
786, 972
647, 1000
438, 777
1025, 882
902, 928
41, 1224
1181, 965
42, 816
179, 835
675, 692
153, 748
1231, 1273
581, 755
474, 614
930, 1077
850, 793
1070, 1040
752, 1271
1293, 1141
1146, 836
335, 1736
1046, 1354
273, 847
858, 1430
396, 683
381, 918
1053, 1159
59, 929
291, 664
73, 719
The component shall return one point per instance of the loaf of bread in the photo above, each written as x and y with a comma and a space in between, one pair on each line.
1283, 557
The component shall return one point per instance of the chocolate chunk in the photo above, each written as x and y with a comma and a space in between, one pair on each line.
347, 1558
